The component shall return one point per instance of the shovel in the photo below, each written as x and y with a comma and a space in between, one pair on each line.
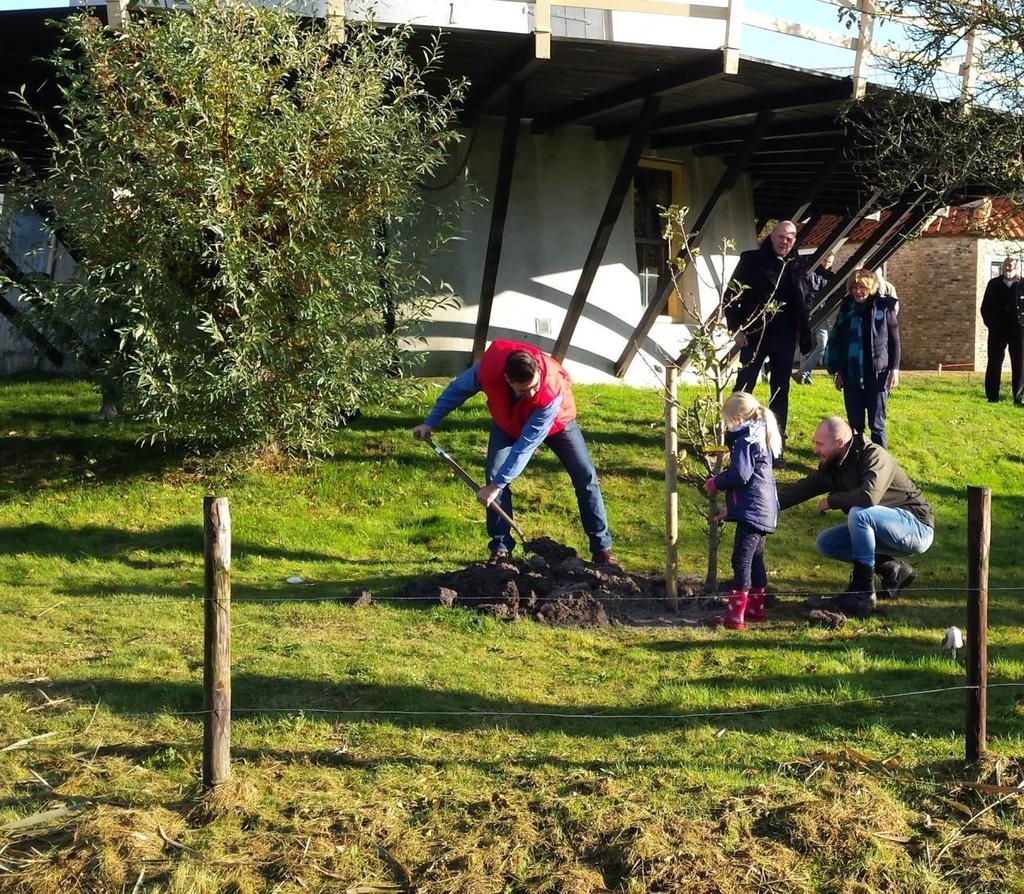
465, 476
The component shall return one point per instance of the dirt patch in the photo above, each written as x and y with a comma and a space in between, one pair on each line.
555, 586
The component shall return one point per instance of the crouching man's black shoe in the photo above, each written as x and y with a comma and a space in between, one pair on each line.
893, 576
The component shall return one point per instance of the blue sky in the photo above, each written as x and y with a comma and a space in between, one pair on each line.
763, 44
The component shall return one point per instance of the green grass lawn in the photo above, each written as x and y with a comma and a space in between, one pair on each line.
472, 785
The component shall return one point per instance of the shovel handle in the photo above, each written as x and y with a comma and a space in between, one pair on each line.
465, 476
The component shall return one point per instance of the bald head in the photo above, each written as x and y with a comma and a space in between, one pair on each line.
784, 237
831, 438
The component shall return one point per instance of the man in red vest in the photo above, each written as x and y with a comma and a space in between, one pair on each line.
529, 396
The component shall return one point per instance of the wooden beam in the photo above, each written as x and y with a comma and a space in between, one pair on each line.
785, 146
728, 180
516, 68
688, 75
734, 22
862, 56
542, 29
117, 13
842, 229
499, 211
612, 209
817, 127
832, 91
29, 332
835, 292
806, 228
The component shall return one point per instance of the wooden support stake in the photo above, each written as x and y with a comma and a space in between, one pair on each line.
499, 211
671, 487
979, 526
612, 210
217, 643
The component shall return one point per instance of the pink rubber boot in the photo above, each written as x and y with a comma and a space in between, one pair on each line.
755, 605
732, 617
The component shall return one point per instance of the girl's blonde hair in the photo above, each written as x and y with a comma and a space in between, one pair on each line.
741, 407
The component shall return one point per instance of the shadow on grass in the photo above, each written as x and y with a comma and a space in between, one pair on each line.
102, 542
417, 707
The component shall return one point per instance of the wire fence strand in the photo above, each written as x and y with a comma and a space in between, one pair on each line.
579, 715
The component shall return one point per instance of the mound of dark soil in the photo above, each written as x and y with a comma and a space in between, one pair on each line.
554, 586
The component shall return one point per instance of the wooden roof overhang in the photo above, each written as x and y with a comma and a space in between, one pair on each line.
778, 124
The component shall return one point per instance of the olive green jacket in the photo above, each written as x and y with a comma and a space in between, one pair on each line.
866, 476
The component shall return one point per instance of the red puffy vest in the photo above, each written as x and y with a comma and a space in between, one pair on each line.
510, 416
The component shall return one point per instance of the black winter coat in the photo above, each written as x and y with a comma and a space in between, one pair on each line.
879, 328
768, 276
1003, 305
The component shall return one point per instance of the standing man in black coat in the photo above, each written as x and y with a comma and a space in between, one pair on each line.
1002, 311
772, 272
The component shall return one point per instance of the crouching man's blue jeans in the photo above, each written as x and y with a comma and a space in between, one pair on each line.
570, 448
889, 531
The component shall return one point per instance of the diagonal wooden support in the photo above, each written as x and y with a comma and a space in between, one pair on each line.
806, 228
688, 75
516, 68
730, 177
499, 211
612, 209
722, 111
898, 218
29, 332
819, 182
842, 230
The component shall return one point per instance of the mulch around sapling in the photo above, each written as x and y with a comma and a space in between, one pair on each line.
553, 585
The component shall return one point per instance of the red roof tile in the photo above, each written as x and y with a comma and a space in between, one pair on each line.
999, 218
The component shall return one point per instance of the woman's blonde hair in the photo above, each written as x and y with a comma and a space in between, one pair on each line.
741, 407
862, 277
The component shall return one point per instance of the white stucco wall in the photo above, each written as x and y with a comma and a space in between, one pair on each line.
559, 188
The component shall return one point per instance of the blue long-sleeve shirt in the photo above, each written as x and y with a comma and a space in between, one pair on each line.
535, 430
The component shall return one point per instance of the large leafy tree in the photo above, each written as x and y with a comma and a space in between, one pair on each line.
932, 132
237, 187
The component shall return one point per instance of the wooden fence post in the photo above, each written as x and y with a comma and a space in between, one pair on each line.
217, 642
979, 523
671, 487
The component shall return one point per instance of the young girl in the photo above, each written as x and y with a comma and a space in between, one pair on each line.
753, 438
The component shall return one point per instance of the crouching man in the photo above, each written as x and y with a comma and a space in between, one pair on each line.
886, 514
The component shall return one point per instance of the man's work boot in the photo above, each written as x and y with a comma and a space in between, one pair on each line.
894, 576
498, 556
859, 598
606, 558
733, 617
755, 605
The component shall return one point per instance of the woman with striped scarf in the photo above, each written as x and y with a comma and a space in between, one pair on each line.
863, 354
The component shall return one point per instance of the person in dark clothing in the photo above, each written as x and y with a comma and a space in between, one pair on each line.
771, 273
885, 511
752, 436
820, 282
863, 353
1002, 311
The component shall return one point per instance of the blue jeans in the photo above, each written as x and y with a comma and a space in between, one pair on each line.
570, 448
810, 361
890, 531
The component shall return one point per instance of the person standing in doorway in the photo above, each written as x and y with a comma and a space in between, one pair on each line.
1002, 311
